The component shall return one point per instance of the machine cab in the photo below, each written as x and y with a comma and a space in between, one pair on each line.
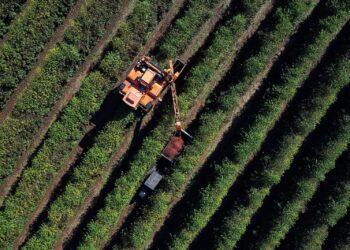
145, 82
151, 183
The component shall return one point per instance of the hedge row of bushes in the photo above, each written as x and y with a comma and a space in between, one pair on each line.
8, 11
279, 91
185, 27
309, 170
34, 103
269, 40
324, 212
271, 164
27, 37
339, 236
61, 211
197, 82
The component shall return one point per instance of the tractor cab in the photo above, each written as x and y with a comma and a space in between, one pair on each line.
146, 81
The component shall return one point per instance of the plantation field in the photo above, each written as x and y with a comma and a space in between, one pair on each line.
265, 95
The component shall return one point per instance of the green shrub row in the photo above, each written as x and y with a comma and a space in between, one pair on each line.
184, 28
83, 178
210, 123
34, 103
8, 12
271, 164
317, 160
195, 83
278, 93
27, 36
339, 237
69, 128
324, 212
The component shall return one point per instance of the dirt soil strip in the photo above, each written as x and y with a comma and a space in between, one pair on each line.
56, 38
20, 13
70, 90
162, 26
200, 102
205, 30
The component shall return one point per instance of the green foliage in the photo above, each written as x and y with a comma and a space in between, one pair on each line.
324, 211
84, 177
183, 29
312, 168
253, 134
8, 12
47, 86
271, 164
27, 36
339, 238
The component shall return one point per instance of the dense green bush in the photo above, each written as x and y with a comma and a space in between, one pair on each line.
27, 36
184, 28
126, 186
309, 170
84, 177
271, 164
157, 207
8, 11
325, 210
47, 86
339, 237
268, 109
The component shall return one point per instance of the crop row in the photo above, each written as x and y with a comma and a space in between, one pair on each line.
271, 164
8, 11
310, 168
212, 121
35, 102
26, 39
269, 106
105, 140
199, 76
326, 209
66, 132
339, 236
183, 29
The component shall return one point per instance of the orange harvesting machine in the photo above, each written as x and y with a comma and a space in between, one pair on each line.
143, 88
